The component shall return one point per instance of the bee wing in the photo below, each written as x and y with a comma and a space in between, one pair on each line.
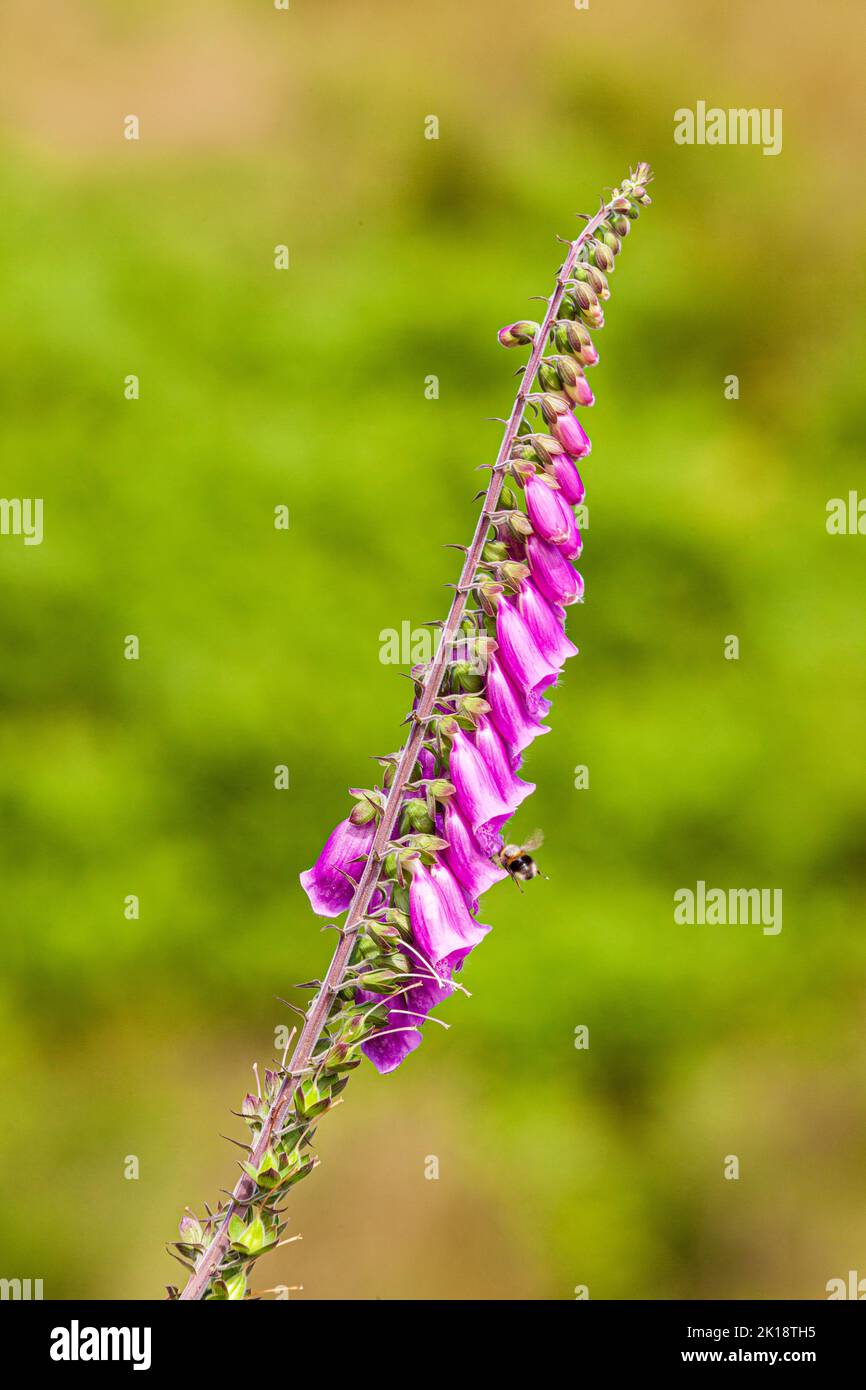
535, 841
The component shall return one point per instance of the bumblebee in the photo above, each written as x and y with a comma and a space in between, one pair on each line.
518, 860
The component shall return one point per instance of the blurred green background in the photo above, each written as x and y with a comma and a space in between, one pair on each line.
558, 1167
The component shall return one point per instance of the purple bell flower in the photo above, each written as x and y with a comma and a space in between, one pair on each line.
508, 711
571, 435
545, 623
479, 800
546, 510
400, 1034
570, 482
557, 580
526, 667
474, 871
345, 852
495, 755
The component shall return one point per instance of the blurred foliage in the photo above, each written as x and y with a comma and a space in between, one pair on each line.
557, 1167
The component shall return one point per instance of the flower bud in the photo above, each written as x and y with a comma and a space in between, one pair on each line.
494, 551
518, 334
601, 255
519, 525
548, 375
416, 816
620, 224
466, 677
594, 317
571, 435
574, 383
513, 573
611, 240
620, 203
593, 277
441, 789
571, 336
190, 1229
362, 812
584, 295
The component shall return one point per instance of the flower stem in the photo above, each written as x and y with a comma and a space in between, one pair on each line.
317, 1015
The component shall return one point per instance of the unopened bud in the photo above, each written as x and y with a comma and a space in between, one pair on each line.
620, 204
574, 383
611, 240
519, 524
441, 789
416, 815
602, 256
584, 296
593, 277
548, 375
620, 224
514, 573
466, 677
518, 334
494, 551
362, 812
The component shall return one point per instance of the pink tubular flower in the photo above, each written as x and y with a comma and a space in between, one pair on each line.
570, 482
401, 1034
528, 669
558, 581
479, 800
444, 932
546, 510
442, 927
495, 755
545, 623
516, 726
581, 391
326, 884
474, 871
571, 435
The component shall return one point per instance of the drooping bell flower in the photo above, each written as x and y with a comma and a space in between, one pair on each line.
326, 884
570, 482
545, 623
526, 667
572, 545
479, 800
546, 510
442, 926
558, 581
508, 711
473, 870
443, 934
495, 755
571, 435
401, 1033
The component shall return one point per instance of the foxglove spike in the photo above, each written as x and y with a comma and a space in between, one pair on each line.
429, 841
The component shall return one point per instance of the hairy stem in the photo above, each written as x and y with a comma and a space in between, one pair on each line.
317, 1014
